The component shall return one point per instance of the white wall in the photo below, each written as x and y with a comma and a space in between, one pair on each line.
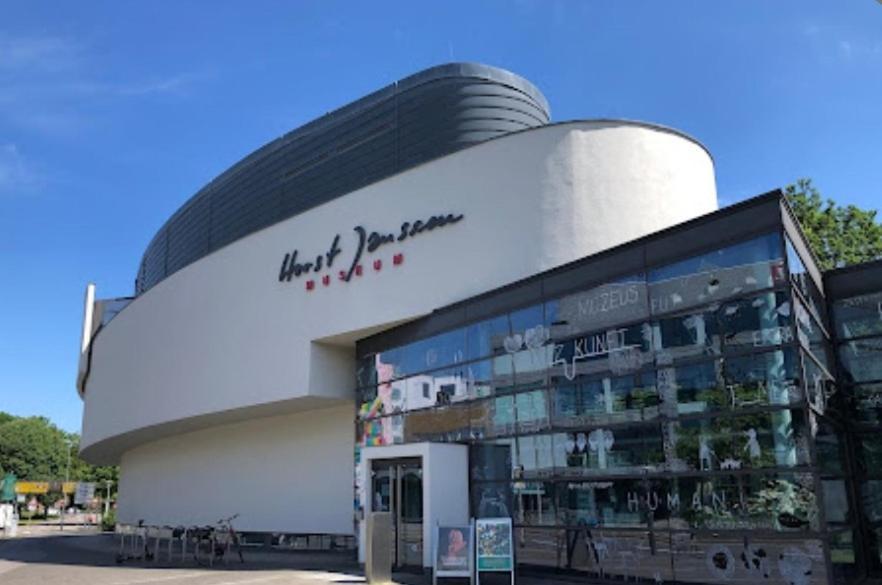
291, 473
223, 335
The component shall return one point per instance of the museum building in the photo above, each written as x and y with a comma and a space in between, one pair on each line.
436, 302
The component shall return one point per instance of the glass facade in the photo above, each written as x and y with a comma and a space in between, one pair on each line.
710, 416
858, 325
680, 423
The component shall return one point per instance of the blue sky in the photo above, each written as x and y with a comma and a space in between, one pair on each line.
112, 114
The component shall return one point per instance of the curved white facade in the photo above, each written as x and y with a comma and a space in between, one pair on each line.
222, 373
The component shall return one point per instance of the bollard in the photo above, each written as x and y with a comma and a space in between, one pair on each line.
378, 548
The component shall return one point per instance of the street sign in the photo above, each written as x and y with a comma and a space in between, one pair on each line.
32, 487
85, 493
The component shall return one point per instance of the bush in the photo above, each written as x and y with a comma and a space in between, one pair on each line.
108, 521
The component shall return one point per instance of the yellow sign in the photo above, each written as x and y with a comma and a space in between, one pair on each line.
32, 487
69, 487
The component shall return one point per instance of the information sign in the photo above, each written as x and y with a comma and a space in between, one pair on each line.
493, 546
453, 551
84, 493
32, 487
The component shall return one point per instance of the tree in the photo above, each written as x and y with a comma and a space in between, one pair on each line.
838, 235
36, 450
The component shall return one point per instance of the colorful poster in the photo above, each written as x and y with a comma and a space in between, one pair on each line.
494, 544
452, 547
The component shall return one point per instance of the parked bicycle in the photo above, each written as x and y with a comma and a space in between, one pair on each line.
221, 540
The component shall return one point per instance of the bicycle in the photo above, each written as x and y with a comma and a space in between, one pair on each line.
221, 539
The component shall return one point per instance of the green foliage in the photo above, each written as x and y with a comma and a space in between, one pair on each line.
108, 521
838, 235
36, 450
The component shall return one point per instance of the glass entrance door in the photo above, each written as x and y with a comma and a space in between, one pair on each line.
397, 487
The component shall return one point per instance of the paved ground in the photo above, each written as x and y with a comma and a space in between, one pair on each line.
43, 555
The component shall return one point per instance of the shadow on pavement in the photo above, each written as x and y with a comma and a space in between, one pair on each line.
101, 550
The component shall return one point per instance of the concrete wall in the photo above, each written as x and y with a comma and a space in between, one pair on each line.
289, 473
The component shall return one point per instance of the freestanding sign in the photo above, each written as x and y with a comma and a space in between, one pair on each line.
454, 552
85, 493
494, 550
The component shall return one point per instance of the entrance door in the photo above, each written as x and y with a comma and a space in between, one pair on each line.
397, 487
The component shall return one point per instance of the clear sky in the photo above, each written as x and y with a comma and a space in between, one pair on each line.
113, 114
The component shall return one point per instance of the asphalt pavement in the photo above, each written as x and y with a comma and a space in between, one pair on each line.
44, 555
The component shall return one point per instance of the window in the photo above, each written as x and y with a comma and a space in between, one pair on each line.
717, 275
603, 306
862, 359
858, 316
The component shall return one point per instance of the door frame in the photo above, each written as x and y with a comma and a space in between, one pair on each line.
445, 486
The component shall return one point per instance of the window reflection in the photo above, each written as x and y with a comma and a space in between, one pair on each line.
803, 281
688, 335
765, 378
858, 316
490, 376
604, 451
772, 439
760, 321
609, 304
693, 388
613, 503
779, 502
486, 337
717, 275
591, 401
862, 359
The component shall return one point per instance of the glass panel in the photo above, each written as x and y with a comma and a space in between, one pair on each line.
817, 385
587, 401
486, 337
435, 389
781, 502
614, 503
534, 503
366, 371
803, 281
829, 452
635, 449
765, 378
858, 316
868, 403
383, 431
600, 307
862, 359
726, 558
492, 500
426, 354
869, 453
836, 509
619, 351
490, 376
810, 334
871, 500
773, 439
693, 388
534, 457
532, 411
688, 335
759, 321
440, 424
531, 366
717, 275
491, 460
541, 547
